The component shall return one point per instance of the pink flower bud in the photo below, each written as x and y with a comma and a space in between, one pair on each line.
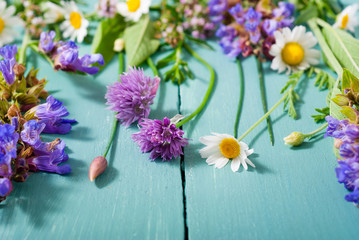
98, 166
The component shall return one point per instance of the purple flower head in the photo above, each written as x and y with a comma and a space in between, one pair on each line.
49, 156
255, 36
31, 133
352, 131
8, 52
284, 10
238, 13
231, 48
353, 197
84, 63
217, 9
253, 19
107, 8
226, 32
347, 151
5, 165
8, 139
5, 187
131, 98
335, 127
348, 175
270, 26
7, 70
162, 138
46, 41
51, 113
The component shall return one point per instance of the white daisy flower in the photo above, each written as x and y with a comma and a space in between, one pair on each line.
75, 24
53, 12
7, 23
293, 50
223, 147
347, 19
133, 9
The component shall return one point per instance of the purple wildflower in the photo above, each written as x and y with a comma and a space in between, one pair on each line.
8, 139
270, 26
217, 9
226, 32
162, 138
46, 43
284, 10
5, 165
131, 98
49, 156
31, 133
253, 19
8, 52
51, 114
335, 127
107, 8
348, 175
238, 13
231, 49
5, 187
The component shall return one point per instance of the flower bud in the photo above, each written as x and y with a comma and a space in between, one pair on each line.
98, 166
119, 45
294, 139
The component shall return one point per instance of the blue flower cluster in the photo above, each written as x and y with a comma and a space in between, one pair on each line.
346, 137
65, 55
248, 31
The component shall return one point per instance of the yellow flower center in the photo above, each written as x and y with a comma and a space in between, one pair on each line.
133, 5
229, 148
344, 21
2, 25
75, 20
292, 53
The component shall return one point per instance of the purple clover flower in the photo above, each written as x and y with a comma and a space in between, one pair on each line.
49, 156
237, 13
31, 133
8, 52
46, 43
107, 8
51, 114
162, 138
8, 139
5, 187
131, 98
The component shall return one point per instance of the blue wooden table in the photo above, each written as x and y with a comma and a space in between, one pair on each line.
292, 194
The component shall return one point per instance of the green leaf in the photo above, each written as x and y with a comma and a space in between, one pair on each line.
335, 110
107, 32
341, 100
140, 42
350, 113
323, 113
306, 14
344, 46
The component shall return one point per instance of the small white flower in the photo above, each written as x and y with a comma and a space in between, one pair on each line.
293, 51
7, 23
53, 12
75, 24
347, 19
119, 45
223, 147
133, 9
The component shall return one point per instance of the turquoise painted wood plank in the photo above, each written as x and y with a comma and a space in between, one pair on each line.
292, 194
133, 199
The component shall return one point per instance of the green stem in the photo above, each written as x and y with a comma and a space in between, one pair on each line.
262, 118
24, 45
316, 131
325, 48
152, 66
155, 8
209, 89
115, 121
241, 96
263, 97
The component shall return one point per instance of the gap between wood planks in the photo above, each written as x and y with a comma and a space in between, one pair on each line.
183, 174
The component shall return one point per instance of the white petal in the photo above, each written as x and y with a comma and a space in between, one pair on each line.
209, 150
236, 163
213, 158
221, 162
250, 162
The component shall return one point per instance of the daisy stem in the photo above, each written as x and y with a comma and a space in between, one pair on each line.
263, 97
115, 121
152, 66
316, 131
313, 24
241, 96
263, 117
209, 89
24, 45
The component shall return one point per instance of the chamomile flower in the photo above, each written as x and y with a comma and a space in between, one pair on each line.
53, 12
132, 10
221, 148
75, 24
293, 51
347, 19
7, 23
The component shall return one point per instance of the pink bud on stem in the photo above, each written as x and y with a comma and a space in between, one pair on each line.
98, 166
